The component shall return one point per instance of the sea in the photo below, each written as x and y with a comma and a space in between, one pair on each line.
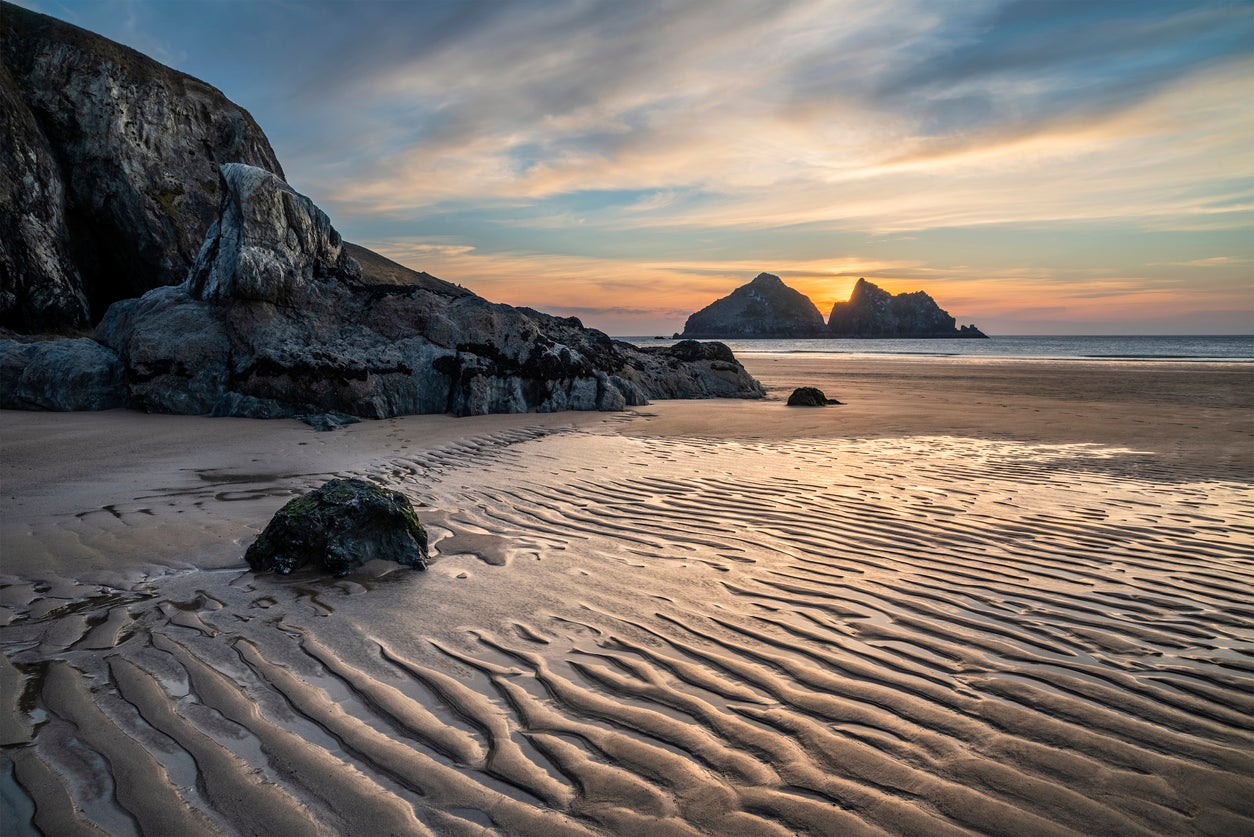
1174, 348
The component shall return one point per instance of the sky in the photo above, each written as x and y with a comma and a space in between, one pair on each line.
1039, 167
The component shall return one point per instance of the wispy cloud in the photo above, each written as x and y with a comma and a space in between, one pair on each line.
573, 156
1213, 261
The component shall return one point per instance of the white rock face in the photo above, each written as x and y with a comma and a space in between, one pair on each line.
269, 244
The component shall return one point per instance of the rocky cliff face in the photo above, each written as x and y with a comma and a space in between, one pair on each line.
128, 178
112, 179
765, 308
276, 319
874, 312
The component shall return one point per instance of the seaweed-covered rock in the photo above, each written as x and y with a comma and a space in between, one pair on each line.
809, 397
338, 527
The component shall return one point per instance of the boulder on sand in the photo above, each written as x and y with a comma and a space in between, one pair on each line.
338, 527
809, 397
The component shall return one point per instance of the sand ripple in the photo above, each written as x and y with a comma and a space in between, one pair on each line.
673, 636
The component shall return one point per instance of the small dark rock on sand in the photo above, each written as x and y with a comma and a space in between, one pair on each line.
809, 397
338, 527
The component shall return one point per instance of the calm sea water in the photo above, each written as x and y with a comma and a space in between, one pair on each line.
1213, 349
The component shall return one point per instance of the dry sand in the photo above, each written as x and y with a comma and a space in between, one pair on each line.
979, 597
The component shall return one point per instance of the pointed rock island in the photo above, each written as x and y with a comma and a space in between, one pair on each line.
764, 308
767, 308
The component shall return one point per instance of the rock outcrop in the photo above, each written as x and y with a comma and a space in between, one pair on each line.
141, 199
268, 244
764, 308
767, 308
339, 526
874, 312
62, 375
112, 176
809, 397
277, 319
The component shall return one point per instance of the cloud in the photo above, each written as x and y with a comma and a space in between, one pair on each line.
1213, 261
886, 119
673, 287
575, 156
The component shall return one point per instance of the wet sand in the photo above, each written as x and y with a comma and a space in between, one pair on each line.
992, 598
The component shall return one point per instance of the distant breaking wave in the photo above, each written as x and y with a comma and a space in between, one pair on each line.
1178, 349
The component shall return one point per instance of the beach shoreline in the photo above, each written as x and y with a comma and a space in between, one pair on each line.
1003, 597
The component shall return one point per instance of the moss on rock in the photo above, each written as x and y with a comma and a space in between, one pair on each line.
338, 527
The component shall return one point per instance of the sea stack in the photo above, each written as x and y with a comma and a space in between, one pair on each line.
764, 308
873, 312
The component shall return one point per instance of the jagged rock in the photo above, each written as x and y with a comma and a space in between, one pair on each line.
700, 370
116, 179
40, 287
339, 526
68, 374
268, 243
243, 338
327, 421
874, 312
809, 397
111, 178
764, 308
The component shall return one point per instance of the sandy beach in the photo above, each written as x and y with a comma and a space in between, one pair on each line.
978, 597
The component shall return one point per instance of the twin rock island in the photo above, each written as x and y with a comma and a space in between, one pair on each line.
767, 308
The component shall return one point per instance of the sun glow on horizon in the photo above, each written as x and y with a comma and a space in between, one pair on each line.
1034, 167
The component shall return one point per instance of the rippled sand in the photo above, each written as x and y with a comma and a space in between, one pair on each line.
678, 621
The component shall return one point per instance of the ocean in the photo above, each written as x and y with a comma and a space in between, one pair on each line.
1210, 349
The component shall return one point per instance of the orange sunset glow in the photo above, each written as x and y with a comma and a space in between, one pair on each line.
1039, 167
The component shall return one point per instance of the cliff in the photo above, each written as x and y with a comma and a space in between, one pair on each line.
112, 177
764, 308
873, 312
142, 199
277, 319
